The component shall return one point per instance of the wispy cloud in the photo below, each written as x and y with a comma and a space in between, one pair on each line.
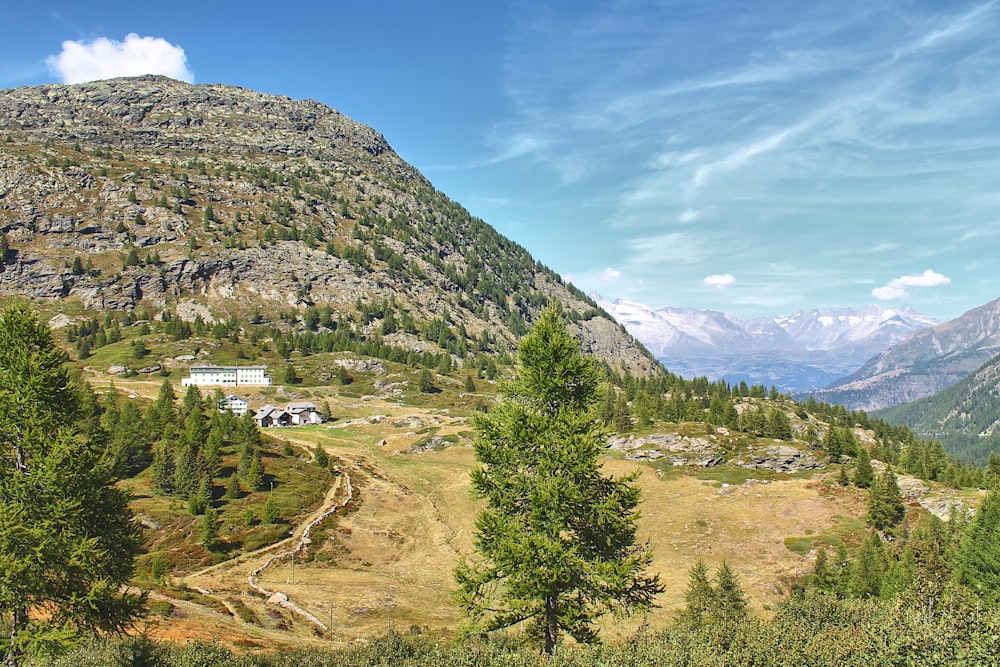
965, 22
826, 136
688, 215
742, 155
106, 58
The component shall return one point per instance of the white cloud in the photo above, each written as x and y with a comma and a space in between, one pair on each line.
107, 58
896, 289
719, 280
610, 274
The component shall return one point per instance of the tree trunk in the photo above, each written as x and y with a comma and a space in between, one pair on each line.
551, 624
18, 619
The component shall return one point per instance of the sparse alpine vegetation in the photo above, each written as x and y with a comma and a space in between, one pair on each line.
148, 192
157, 225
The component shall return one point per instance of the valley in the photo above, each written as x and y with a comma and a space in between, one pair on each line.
154, 225
388, 557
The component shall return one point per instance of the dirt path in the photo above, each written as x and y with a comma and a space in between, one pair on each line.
280, 598
284, 550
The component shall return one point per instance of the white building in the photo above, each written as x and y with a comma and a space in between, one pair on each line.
296, 413
227, 376
304, 412
233, 404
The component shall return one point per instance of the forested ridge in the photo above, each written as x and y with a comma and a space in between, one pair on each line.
964, 416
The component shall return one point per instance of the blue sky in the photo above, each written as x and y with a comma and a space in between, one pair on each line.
756, 158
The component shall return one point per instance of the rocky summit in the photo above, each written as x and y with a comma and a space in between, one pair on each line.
234, 203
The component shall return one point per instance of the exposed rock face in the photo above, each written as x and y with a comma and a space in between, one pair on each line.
149, 191
706, 452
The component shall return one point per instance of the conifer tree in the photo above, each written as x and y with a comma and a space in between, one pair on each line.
842, 477
161, 473
320, 457
67, 537
199, 500
555, 545
253, 474
869, 569
978, 558
191, 401
233, 491
779, 426
822, 576
885, 504
212, 450
622, 421
187, 473
730, 601
270, 513
208, 529
863, 473
426, 382
699, 597
162, 412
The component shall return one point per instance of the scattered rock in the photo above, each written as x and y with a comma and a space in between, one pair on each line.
60, 321
784, 459
944, 508
644, 455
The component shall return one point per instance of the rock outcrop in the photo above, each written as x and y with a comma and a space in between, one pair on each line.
147, 191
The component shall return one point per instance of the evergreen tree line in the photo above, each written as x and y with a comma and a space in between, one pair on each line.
185, 461
640, 402
926, 565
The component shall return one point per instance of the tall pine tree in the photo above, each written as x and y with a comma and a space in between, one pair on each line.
555, 545
67, 537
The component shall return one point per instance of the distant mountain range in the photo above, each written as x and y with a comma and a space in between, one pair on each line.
797, 353
924, 364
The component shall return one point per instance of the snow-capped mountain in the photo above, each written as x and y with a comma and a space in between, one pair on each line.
797, 352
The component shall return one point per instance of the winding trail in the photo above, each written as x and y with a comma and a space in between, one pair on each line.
304, 540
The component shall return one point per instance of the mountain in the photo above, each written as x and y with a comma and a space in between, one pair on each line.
965, 417
922, 365
222, 202
795, 353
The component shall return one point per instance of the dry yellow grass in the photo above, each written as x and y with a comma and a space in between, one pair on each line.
391, 555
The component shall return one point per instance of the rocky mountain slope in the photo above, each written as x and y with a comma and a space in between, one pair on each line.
149, 191
964, 416
795, 353
922, 365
